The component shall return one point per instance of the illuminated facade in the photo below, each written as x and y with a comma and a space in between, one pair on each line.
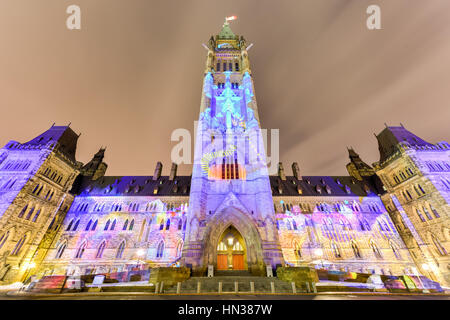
416, 175
230, 213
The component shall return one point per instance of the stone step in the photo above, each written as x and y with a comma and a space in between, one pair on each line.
261, 284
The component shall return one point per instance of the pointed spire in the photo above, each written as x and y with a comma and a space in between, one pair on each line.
226, 32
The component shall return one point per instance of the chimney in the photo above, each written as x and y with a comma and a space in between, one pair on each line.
296, 171
173, 171
281, 171
158, 171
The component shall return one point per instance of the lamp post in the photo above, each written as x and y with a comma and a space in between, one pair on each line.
140, 253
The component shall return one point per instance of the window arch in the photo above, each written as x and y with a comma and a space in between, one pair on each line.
120, 250
36, 215
113, 225
297, 250
131, 225
70, 225
394, 250
80, 251
4, 238
335, 249
179, 248
441, 250
168, 224
100, 250
375, 250
107, 225
125, 225
19, 245
88, 225
29, 214
160, 250
23, 211
76, 225
60, 251
355, 249
95, 225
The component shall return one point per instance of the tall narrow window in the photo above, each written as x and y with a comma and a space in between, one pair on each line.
88, 225
420, 215
160, 250
69, 226
120, 250
375, 250
95, 225
436, 214
168, 224
23, 211
356, 250
427, 213
439, 246
29, 214
113, 225
18, 246
76, 225
80, 251
335, 249
3, 239
125, 225
394, 250
60, 251
107, 225
179, 248
36, 215
131, 225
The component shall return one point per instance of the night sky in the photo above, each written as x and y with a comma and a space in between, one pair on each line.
133, 74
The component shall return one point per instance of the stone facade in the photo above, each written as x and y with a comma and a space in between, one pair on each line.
416, 175
59, 216
35, 180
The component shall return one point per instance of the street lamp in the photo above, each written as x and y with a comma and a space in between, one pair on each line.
140, 253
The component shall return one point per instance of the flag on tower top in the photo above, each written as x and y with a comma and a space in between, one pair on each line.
230, 18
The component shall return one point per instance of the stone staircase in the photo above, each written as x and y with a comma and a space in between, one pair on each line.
228, 280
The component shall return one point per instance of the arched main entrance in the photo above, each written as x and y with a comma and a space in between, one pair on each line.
231, 251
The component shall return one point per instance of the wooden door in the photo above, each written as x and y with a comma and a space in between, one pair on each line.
222, 262
238, 262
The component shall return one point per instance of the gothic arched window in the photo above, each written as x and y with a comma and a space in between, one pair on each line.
60, 251
375, 250
3, 239
125, 225
356, 250
80, 251
88, 225
107, 225
100, 250
160, 250
120, 250
18, 246
439, 246
335, 249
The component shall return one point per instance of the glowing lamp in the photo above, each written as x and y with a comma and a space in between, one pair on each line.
318, 252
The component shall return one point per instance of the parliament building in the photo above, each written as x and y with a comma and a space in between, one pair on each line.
59, 216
